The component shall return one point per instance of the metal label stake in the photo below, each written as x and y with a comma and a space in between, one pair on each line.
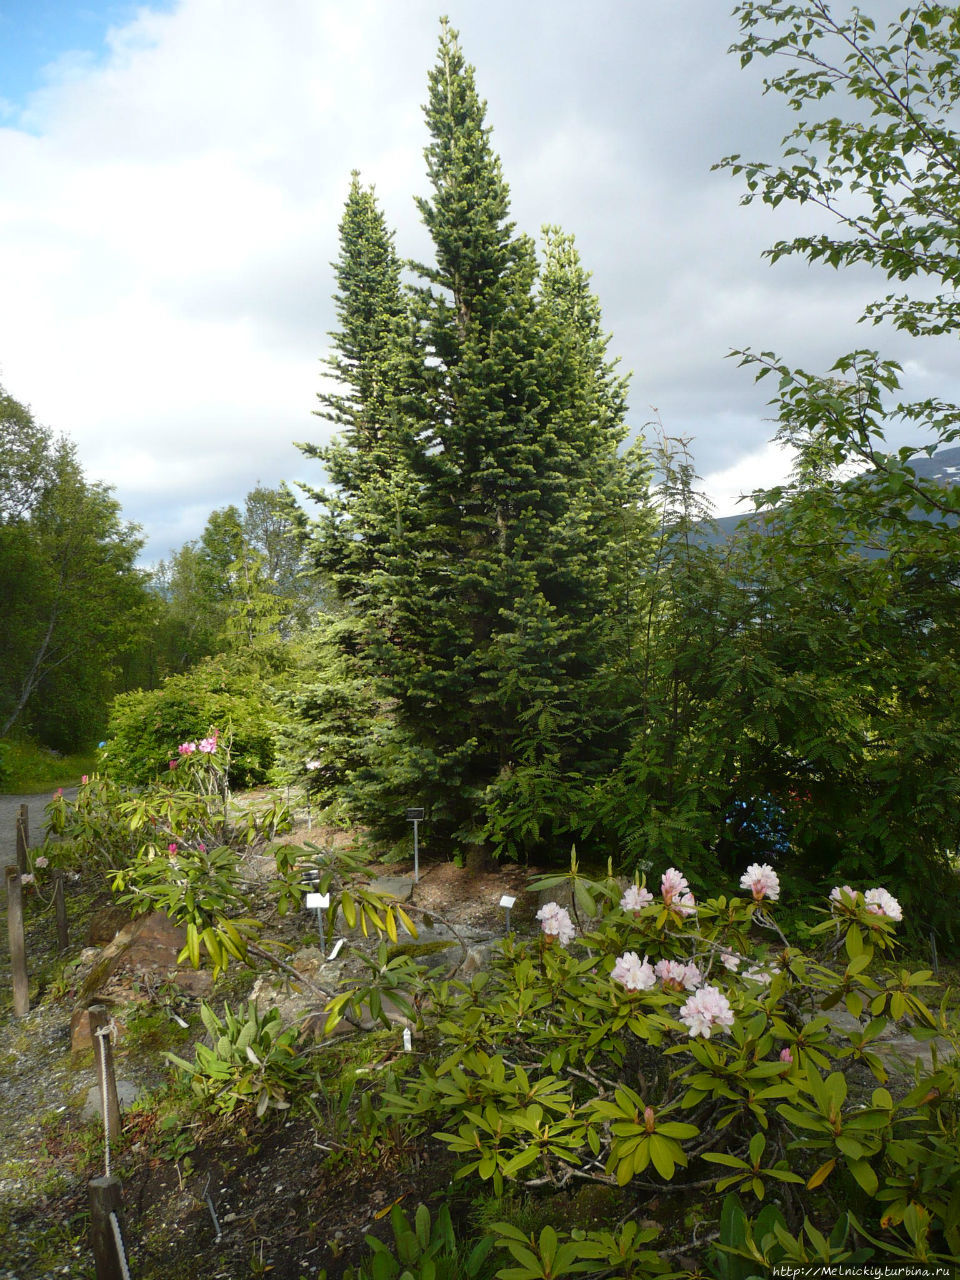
416, 817
507, 902
319, 901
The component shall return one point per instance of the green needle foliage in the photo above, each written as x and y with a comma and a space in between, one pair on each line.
481, 512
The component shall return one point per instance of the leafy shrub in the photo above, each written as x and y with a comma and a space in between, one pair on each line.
749, 1247
145, 726
112, 827
253, 1064
573, 1058
423, 1250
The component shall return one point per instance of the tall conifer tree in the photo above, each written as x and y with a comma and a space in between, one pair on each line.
482, 511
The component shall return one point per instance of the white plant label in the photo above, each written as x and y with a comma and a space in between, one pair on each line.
318, 901
507, 901
407, 1040
336, 950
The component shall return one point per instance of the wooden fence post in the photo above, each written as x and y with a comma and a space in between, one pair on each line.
100, 1017
18, 951
60, 906
23, 837
105, 1199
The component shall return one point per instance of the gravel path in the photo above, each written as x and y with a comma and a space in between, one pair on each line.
9, 807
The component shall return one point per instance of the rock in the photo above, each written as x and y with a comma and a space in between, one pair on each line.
561, 894
392, 888
399, 887
105, 924
127, 1095
477, 959
155, 943
146, 948
80, 1037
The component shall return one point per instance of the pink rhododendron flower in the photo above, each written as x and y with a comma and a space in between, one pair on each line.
173, 764
556, 923
202, 847
633, 973
59, 791
171, 848
84, 780
762, 881
207, 745
763, 976
42, 861
845, 888
26, 878
880, 903
677, 976
786, 1055
685, 906
635, 898
706, 1009
673, 884
187, 748
731, 960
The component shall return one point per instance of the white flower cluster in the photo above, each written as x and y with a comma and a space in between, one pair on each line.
556, 923
672, 973
706, 1009
762, 881
635, 898
763, 976
676, 893
881, 903
877, 901
633, 973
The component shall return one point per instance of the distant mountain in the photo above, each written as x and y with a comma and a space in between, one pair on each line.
942, 468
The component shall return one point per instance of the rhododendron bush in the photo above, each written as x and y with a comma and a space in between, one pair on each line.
649, 1037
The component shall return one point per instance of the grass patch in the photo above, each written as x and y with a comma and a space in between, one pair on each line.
27, 768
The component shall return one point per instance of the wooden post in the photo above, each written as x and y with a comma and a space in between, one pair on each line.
60, 906
18, 951
105, 1198
23, 837
100, 1017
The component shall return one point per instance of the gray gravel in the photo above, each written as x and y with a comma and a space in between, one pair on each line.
9, 807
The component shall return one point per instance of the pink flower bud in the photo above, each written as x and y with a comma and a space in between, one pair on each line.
171, 848
84, 780
648, 1119
786, 1055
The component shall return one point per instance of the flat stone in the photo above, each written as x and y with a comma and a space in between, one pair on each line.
80, 1037
399, 887
127, 1095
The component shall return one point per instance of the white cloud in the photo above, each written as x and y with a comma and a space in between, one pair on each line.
729, 488
168, 215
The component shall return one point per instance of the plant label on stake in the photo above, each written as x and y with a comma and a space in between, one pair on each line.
320, 901
416, 817
507, 902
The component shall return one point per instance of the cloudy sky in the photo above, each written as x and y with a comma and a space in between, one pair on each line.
172, 176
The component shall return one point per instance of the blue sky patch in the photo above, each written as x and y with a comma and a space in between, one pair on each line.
38, 35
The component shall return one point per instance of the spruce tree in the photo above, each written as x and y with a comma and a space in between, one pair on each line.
479, 527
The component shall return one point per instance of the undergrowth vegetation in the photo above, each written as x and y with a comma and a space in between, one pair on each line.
656, 1045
